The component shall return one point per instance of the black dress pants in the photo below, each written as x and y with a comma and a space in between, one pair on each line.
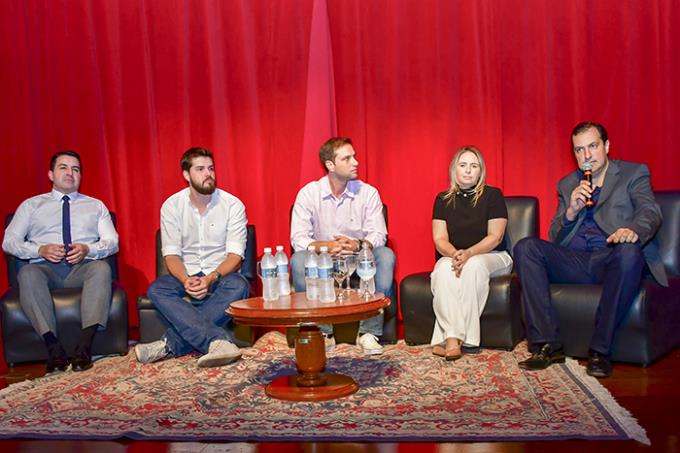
618, 268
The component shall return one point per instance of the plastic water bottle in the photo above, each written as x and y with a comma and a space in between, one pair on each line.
312, 273
366, 271
326, 287
282, 271
270, 285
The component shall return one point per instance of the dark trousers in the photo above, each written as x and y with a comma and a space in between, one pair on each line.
538, 263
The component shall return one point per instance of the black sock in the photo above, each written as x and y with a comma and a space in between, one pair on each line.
86, 337
50, 339
54, 348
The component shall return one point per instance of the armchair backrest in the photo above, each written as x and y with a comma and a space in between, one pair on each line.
14, 263
669, 232
522, 220
247, 266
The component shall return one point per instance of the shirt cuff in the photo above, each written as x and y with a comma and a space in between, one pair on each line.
376, 239
566, 222
32, 250
171, 250
302, 244
93, 252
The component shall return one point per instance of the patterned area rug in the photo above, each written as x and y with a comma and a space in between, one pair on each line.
406, 394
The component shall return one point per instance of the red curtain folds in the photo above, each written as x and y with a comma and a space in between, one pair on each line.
132, 84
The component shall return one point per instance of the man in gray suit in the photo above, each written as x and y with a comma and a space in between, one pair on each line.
603, 234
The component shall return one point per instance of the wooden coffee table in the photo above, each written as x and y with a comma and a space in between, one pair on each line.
311, 383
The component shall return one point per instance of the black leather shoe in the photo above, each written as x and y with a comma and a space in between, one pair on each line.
543, 358
599, 365
82, 361
56, 364
56, 359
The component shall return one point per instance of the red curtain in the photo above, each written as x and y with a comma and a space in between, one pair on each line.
132, 84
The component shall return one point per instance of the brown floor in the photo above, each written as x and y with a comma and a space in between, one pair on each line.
651, 394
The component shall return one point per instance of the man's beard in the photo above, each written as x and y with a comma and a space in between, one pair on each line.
204, 189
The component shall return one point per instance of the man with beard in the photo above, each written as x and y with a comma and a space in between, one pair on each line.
203, 235
65, 235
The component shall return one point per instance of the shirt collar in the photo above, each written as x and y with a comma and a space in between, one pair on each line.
351, 190
58, 195
213, 199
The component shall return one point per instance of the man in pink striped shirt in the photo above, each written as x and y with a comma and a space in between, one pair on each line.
341, 212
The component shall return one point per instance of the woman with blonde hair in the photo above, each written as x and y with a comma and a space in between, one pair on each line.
468, 225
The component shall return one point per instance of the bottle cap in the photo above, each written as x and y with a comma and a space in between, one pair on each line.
311, 248
279, 248
267, 250
323, 248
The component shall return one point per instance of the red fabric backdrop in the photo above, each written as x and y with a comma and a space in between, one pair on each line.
131, 84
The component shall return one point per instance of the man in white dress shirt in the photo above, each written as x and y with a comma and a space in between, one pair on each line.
64, 235
341, 212
203, 235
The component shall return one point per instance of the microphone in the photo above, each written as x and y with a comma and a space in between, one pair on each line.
588, 176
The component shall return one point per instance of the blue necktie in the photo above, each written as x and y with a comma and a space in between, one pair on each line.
66, 221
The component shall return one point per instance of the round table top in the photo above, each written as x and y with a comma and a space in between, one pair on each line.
296, 309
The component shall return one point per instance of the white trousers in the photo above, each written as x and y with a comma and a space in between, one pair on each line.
459, 301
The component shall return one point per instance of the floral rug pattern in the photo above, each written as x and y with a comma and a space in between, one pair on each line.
407, 394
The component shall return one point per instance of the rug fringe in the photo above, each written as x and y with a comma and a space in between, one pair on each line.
624, 418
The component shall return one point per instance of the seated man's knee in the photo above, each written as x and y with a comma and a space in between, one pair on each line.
159, 287
297, 268
237, 282
297, 261
30, 274
99, 269
525, 247
384, 256
628, 254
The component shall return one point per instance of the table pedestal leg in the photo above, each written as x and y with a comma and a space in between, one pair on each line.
311, 384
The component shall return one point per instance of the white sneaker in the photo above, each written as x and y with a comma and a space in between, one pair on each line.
369, 344
151, 352
329, 342
220, 352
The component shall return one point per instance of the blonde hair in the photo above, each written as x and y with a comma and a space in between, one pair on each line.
478, 189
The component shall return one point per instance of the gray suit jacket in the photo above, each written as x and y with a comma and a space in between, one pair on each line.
626, 201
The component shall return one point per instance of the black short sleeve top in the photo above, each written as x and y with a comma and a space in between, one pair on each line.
467, 224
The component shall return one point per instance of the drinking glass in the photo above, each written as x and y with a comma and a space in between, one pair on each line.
351, 267
366, 270
339, 274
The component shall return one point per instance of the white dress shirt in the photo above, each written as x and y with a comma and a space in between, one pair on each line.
37, 222
319, 216
203, 241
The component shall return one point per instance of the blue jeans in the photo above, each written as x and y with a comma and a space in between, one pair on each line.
195, 324
384, 263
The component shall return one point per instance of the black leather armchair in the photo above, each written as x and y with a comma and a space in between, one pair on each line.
652, 327
21, 343
501, 324
152, 325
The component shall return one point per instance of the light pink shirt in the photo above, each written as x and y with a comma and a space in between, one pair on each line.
319, 216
